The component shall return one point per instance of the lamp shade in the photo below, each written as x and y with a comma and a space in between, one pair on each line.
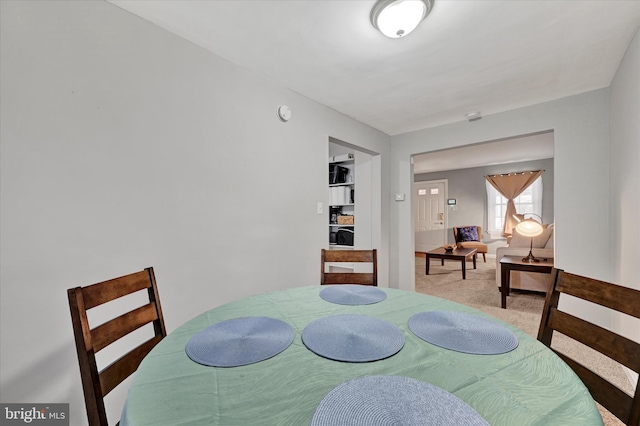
529, 228
397, 18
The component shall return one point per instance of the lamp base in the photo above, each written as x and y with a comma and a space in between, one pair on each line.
530, 258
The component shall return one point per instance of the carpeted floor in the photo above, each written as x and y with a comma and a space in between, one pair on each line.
524, 310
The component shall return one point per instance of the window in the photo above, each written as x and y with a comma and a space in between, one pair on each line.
530, 201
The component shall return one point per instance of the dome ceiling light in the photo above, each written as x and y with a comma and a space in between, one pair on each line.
397, 18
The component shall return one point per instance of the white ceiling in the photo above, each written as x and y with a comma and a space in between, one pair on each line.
468, 55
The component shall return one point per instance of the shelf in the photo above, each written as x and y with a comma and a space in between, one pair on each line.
339, 246
350, 161
344, 226
341, 205
342, 184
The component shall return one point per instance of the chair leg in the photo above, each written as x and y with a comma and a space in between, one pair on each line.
484, 257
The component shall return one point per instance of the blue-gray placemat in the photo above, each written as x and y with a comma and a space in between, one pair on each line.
393, 400
352, 294
463, 332
352, 338
240, 341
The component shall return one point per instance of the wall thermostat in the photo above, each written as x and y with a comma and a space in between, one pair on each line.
284, 113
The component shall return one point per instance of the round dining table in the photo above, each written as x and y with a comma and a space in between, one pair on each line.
528, 385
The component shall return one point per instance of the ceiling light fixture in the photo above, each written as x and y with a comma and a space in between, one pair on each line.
397, 18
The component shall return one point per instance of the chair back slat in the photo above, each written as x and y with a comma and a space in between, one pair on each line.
122, 368
111, 331
97, 383
349, 256
623, 350
603, 391
106, 291
348, 278
599, 292
619, 348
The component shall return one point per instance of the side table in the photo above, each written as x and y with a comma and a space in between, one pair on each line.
515, 263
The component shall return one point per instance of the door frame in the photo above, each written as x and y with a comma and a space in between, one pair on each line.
413, 205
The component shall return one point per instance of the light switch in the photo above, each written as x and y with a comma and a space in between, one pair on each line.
320, 209
399, 197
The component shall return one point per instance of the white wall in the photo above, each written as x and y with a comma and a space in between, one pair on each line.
581, 167
124, 146
625, 183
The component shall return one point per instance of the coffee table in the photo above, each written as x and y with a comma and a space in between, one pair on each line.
460, 254
515, 263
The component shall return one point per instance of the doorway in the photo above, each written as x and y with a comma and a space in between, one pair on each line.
430, 214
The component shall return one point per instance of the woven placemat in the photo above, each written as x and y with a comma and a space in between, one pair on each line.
352, 294
353, 338
463, 332
240, 341
393, 400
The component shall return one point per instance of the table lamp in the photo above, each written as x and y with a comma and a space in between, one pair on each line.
528, 228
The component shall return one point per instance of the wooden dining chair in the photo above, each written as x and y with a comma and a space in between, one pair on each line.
349, 256
620, 349
90, 340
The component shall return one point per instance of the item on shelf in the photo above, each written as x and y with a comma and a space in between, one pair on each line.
344, 237
333, 238
340, 195
337, 174
333, 218
345, 220
343, 157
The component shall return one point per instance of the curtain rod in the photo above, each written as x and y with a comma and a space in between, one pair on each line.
515, 173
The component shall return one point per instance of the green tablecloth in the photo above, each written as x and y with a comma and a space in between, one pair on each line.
527, 386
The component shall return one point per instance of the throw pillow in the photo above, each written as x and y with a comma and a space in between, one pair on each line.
469, 233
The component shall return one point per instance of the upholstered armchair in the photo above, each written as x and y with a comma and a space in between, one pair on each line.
470, 237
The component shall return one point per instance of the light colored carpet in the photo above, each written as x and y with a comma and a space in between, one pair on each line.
524, 310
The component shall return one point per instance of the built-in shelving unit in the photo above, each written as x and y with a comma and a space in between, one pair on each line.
342, 201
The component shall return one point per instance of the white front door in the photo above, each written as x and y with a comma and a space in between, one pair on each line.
430, 215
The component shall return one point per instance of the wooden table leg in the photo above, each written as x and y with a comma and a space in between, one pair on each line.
426, 269
475, 256
442, 262
504, 284
464, 268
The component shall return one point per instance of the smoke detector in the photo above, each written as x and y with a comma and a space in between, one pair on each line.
473, 116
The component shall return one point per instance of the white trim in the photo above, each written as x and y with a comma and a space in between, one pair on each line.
496, 235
